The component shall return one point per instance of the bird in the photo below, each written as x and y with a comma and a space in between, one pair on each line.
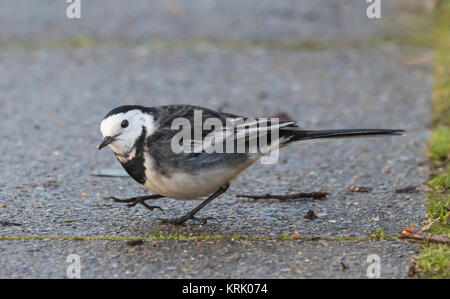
190, 163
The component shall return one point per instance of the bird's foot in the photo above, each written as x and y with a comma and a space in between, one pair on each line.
131, 202
182, 220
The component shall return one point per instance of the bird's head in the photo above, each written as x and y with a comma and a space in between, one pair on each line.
123, 126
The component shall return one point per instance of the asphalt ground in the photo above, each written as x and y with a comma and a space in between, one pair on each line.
59, 77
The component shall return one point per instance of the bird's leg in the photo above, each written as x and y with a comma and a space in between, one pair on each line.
139, 199
191, 214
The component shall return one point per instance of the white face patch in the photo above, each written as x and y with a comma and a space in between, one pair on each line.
125, 138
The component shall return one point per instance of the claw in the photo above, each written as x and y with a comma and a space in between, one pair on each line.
136, 200
202, 220
151, 208
130, 205
115, 199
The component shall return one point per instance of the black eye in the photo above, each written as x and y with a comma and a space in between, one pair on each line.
124, 123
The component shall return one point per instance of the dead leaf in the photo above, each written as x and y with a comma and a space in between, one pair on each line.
135, 242
310, 215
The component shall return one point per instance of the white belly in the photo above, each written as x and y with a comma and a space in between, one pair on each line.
187, 186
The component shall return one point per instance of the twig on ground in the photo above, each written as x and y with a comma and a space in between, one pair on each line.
315, 195
408, 189
409, 233
7, 223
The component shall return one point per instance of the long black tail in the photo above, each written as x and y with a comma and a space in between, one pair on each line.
345, 133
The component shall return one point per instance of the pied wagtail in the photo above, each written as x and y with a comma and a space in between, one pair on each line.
142, 140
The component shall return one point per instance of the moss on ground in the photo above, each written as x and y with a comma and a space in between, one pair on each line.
159, 236
418, 39
378, 234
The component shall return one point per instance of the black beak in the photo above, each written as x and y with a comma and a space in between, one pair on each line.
107, 140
